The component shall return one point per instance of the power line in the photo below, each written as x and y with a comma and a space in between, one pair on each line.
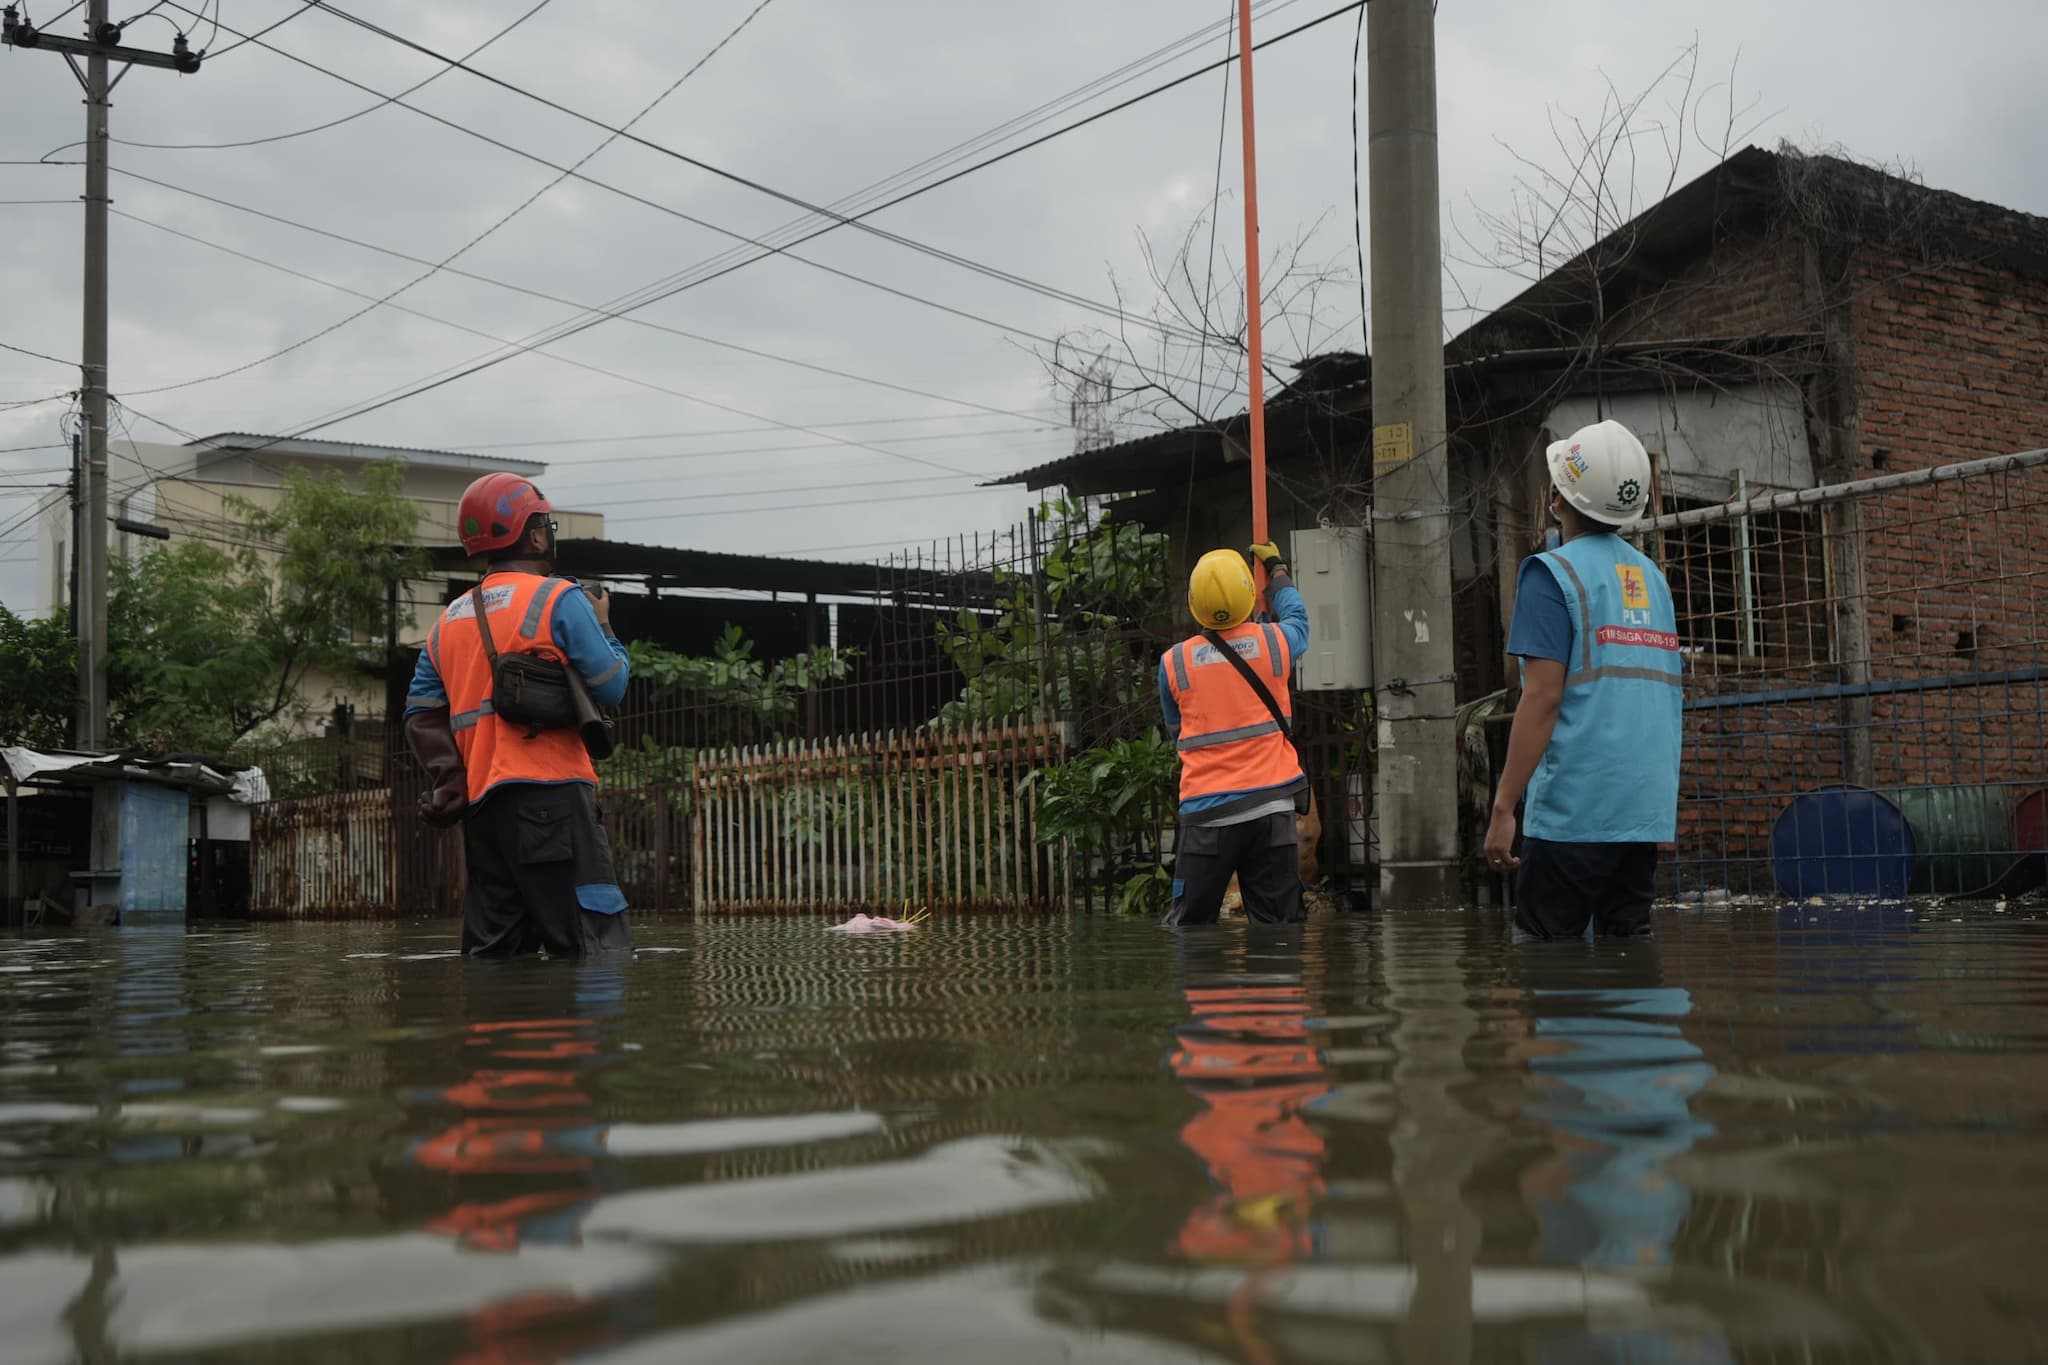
257, 37
698, 337
378, 303
747, 182
560, 359
23, 350
562, 333
644, 201
537, 340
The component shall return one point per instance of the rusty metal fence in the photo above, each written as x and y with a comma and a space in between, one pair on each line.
935, 818
1867, 686
324, 857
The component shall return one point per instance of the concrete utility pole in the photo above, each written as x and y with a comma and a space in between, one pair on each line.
101, 45
1417, 789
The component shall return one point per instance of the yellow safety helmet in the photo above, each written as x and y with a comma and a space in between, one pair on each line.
1220, 590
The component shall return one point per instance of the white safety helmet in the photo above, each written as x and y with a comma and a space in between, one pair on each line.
1603, 472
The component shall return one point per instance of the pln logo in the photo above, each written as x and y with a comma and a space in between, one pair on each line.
1576, 463
1635, 589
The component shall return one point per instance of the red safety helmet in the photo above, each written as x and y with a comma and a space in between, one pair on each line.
495, 510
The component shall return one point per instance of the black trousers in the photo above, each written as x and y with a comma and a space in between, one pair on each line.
1561, 888
1263, 854
530, 848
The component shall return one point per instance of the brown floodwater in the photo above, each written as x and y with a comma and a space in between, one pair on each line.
1771, 1135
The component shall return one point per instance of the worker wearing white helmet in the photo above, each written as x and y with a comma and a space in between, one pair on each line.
1593, 757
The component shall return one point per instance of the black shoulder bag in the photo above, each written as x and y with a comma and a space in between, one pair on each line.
525, 688
1258, 686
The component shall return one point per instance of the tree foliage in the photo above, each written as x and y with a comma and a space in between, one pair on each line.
38, 679
208, 643
1069, 653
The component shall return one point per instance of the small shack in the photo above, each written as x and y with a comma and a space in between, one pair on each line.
111, 838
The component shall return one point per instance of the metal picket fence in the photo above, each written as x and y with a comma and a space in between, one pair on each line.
934, 818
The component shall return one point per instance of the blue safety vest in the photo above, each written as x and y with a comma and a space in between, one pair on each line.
1610, 774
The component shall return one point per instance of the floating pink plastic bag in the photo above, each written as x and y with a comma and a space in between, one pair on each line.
873, 924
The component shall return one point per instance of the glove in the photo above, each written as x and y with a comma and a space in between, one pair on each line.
433, 743
1268, 554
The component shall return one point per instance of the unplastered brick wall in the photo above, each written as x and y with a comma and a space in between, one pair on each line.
1952, 365
1745, 286
1951, 356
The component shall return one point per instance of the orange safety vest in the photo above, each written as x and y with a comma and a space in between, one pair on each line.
1229, 741
519, 608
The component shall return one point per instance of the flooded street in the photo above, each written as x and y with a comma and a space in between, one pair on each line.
1771, 1136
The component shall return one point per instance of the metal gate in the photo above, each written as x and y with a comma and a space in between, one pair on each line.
324, 857
929, 818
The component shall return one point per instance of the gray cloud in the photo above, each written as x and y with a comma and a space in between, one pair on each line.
819, 99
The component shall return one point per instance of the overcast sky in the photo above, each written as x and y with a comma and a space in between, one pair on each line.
818, 99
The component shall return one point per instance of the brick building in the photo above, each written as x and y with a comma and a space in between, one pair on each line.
1787, 322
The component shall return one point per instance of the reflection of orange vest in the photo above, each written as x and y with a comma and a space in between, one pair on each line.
1229, 741
520, 610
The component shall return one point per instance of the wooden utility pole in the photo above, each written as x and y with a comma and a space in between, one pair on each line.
100, 47
1414, 667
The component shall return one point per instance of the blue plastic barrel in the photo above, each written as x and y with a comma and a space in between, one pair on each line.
1843, 843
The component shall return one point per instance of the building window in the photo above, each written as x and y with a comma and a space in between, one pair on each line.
1749, 588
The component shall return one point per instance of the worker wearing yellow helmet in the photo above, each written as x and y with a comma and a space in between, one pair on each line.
1226, 701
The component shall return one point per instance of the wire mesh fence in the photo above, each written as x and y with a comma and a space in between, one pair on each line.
1866, 705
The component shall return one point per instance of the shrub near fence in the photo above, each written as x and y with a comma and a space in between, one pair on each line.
1890, 633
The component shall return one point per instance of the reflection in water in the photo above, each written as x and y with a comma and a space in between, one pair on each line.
1613, 1078
524, 1150
1245, 1054
1385, 1138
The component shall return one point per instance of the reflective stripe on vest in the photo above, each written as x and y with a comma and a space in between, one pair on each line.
1229, 741
518, 608
1610, 773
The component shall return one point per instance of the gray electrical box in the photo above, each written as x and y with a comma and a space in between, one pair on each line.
1333, 569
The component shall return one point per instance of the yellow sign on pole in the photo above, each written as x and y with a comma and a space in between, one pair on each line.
1393, 445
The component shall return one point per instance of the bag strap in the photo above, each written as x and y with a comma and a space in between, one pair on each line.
476, 595
1258, 685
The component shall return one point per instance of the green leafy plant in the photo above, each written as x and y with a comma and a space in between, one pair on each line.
1061, 647
1108, 804
38, 679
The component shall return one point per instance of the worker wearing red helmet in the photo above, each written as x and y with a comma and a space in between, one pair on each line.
539, 864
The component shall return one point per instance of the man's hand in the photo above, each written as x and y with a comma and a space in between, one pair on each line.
1500, 842
445, 806
601, 603
1268, 554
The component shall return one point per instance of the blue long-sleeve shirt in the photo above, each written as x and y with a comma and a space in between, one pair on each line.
589, 646
1293, 626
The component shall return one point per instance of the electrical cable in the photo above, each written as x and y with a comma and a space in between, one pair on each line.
746, 182
560, 359
216, 56
54, 360
257, 37
561, 333
438, 266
